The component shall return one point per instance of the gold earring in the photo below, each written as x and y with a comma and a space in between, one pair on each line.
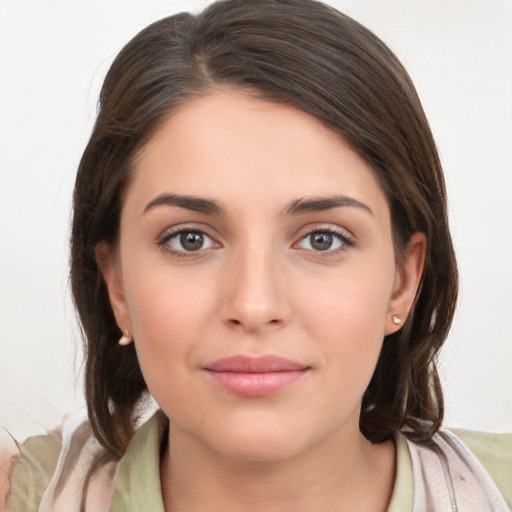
125, 339
396, 320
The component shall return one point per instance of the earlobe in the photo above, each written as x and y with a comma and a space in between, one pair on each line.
407, 281
108, 263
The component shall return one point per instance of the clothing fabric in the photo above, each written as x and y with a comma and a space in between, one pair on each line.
47, 473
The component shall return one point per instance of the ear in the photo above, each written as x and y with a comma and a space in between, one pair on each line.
407, 280
108, 262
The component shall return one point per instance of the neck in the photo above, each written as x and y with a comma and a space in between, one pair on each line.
341, 473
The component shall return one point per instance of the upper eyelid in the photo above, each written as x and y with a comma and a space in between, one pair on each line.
321, 226
180, 228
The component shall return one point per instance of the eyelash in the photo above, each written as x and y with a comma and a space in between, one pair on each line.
345, 240
163, 241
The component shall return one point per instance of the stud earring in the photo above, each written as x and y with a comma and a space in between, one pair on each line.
396, 320
125, 339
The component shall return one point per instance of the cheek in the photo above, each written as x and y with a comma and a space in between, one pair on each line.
161, 311
348, 301
164, 299
168, 312
346, 316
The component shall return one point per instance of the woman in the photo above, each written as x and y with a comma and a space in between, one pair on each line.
260, 241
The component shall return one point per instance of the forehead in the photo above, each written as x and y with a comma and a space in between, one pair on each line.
230, 147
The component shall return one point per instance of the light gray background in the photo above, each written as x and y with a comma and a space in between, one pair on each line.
53, 57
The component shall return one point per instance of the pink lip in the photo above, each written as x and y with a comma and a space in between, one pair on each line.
255, 376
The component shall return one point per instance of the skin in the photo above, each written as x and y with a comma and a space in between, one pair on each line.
259, 286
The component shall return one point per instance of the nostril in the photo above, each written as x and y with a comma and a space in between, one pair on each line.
234, 321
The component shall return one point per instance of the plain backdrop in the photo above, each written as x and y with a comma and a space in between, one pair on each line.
53, 57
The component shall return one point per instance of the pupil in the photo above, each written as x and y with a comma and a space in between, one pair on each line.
321, 241
191, 241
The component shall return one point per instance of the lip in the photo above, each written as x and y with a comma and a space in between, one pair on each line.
255, 376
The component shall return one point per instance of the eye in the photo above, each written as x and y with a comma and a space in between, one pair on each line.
186, 241
324, 240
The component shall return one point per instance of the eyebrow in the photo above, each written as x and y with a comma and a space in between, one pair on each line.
197, 204
212, 207
318, 204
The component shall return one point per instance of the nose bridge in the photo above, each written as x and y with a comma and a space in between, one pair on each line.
254, 297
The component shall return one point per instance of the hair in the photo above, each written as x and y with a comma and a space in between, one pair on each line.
308, 55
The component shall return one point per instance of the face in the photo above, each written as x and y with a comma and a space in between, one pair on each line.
257, 275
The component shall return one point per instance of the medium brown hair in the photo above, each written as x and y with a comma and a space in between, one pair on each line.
302, 53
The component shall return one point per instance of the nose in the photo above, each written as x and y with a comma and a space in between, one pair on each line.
254, 297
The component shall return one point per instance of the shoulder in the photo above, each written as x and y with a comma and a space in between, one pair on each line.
67, 470
494, 452
52, 471
475, 476
26, 469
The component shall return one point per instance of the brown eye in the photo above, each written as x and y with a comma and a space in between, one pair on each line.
321, 241
324, 241
186, 241
192, 240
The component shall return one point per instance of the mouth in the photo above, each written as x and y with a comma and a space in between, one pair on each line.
255, 376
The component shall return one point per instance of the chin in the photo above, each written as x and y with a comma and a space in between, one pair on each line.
255, 448
261, 440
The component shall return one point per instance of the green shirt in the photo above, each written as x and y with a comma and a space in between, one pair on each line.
137, 485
